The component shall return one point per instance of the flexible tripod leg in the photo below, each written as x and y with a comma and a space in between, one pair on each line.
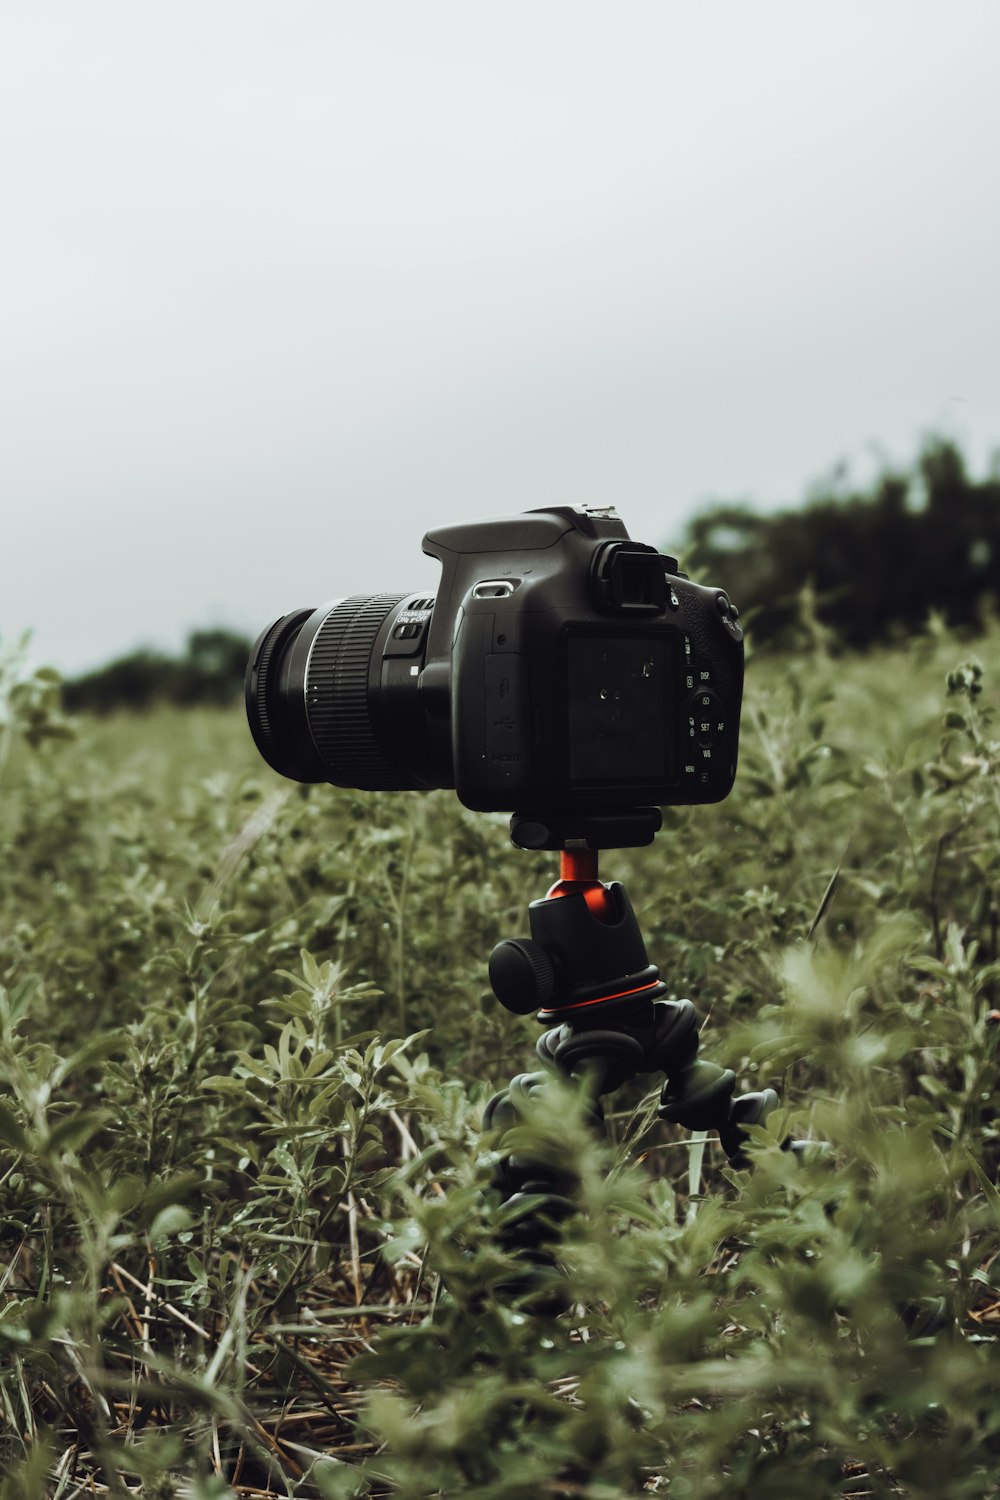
662, 1036
537, 1194
696, 1093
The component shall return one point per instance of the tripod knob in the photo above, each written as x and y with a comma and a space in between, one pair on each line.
522, 975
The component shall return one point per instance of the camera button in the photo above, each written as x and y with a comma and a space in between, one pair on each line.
706, 718
706, 705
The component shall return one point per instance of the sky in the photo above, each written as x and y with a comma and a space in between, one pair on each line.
284, 285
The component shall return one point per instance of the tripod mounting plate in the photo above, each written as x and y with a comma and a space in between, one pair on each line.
632, 828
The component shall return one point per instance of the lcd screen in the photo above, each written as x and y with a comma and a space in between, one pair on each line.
619, 708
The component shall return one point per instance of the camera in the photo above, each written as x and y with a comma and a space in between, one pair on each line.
559, 666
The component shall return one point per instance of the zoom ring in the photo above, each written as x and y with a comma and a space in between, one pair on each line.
337, 698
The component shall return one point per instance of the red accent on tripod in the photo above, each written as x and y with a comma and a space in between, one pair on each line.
642, 989
578, 876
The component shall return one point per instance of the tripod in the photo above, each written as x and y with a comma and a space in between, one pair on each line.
585, 970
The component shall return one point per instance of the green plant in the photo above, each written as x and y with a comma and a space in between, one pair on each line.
247, 1239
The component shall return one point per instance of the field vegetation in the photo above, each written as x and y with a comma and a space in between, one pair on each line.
248, 1244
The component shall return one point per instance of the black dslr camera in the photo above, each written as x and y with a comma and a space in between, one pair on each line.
560, 667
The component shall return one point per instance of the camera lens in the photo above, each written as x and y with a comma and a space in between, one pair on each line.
317, 695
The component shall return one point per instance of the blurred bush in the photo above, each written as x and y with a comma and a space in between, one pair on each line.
874, 562
210, 671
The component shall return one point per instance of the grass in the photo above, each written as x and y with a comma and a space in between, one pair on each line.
247, 1238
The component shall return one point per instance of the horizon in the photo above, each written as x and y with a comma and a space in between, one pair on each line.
835, 489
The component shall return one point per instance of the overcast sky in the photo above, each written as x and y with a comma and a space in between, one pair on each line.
285, 284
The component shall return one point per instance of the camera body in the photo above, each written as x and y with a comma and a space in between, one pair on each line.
560, 666
584, 670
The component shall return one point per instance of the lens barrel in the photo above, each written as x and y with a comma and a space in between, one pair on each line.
313, 695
